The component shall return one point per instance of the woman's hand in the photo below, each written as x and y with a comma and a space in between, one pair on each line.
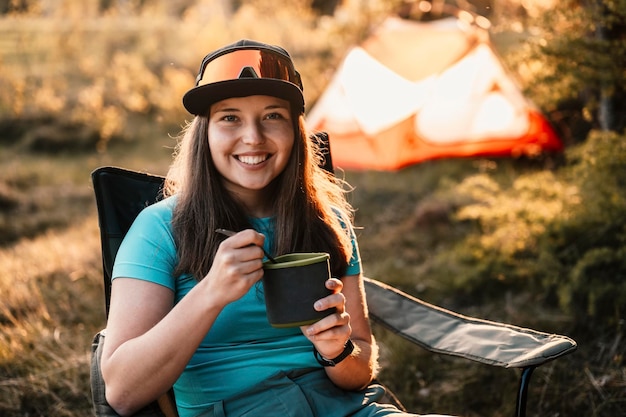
238, 265
350, 321
330, 334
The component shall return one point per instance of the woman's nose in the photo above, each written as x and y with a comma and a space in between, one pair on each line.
253, 134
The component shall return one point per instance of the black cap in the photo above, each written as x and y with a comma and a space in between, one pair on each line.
248, 81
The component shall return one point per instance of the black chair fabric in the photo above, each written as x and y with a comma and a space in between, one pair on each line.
120, 196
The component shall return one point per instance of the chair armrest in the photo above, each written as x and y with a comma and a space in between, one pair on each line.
442, 331
165, 406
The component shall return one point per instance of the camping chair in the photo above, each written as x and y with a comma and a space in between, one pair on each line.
120, 196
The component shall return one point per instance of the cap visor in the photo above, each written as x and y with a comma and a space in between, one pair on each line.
198, 100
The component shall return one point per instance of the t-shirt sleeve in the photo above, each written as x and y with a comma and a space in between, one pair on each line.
354, 265
148, 251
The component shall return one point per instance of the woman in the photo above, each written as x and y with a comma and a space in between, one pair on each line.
187, 308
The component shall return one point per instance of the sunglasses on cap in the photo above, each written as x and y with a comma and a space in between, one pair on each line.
245, 68
247, 63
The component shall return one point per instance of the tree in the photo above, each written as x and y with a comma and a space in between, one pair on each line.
583, 48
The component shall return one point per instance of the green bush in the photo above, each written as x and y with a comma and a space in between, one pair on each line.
558, 233
591, 244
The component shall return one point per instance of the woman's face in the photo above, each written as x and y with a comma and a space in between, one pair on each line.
250, 139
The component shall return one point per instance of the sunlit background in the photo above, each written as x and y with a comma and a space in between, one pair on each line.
527, 236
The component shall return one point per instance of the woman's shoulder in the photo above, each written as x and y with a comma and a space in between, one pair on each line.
153, 217
162, 209
344, 218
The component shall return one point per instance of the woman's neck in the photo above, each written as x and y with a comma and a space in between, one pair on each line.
256, 204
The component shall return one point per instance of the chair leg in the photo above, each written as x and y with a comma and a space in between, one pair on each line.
522, 394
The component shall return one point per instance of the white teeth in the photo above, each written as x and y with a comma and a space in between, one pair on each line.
252, 159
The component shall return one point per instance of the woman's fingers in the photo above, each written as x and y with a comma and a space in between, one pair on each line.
336, 299
245, 239
238, 265
334, 327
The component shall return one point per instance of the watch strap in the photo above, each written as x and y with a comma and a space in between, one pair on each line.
347, 350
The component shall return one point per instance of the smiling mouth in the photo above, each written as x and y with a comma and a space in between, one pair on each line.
252, 159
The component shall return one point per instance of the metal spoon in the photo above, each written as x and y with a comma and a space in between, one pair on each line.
230, 233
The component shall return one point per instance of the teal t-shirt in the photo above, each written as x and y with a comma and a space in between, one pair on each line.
241, 349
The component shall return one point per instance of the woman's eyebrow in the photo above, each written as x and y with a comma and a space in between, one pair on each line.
276, 106
227, 110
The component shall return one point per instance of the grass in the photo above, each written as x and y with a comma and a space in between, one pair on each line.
49, 285
51, 279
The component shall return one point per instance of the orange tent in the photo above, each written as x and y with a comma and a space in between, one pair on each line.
418, 91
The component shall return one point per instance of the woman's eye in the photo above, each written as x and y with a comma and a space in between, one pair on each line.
274, 116
230, 118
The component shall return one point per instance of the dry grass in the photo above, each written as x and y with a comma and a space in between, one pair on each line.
49, 312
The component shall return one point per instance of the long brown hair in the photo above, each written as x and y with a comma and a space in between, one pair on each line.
310, 209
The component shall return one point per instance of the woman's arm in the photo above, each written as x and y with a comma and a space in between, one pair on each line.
351, 321
149, 342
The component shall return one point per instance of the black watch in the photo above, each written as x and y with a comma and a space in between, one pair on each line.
347, 350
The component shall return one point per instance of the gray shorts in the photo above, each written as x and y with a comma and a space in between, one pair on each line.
305, 393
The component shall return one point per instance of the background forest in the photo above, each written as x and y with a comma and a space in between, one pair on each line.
538, 243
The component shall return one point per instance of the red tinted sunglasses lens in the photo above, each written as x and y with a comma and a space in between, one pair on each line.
265, 64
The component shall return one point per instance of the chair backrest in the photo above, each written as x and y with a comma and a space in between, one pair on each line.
121, 194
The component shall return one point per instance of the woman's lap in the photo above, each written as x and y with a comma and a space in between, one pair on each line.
305, 393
